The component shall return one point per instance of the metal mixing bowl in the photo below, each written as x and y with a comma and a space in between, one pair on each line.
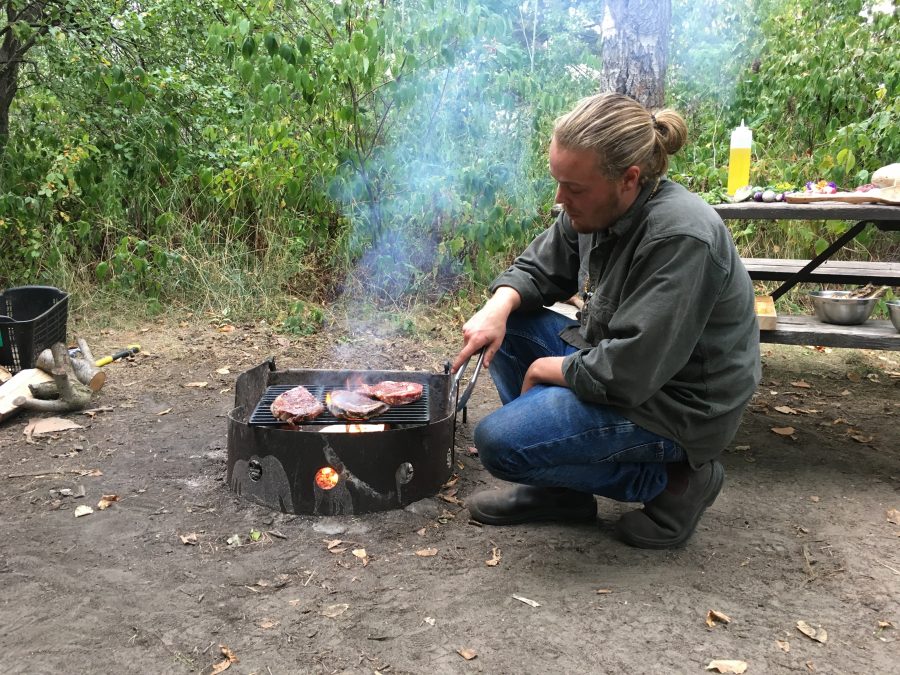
894, 313
839, 307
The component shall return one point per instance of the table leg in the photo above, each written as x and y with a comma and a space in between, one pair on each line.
803, 274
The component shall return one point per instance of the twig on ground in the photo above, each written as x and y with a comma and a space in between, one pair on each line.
889, 567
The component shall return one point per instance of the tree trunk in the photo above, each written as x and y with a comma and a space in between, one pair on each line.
636, 49
13, 50
9, 71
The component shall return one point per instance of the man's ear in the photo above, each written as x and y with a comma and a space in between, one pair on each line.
631, 179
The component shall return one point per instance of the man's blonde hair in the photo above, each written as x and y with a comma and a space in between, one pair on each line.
622, 133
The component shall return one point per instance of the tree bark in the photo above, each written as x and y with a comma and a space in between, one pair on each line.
636, 37
12, 51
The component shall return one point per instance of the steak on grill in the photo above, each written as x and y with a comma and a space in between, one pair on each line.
393, 393
296, 405
354, 405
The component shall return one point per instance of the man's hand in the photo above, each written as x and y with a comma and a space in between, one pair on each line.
546, 370
487, 326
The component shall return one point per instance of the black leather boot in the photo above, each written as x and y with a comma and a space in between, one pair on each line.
526, 504
669, 520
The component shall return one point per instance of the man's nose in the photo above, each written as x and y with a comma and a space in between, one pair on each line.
559, 195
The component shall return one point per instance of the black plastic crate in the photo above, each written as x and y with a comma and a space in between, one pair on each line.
32, 318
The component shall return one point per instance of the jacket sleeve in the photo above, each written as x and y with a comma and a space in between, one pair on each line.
547, 271
652, 331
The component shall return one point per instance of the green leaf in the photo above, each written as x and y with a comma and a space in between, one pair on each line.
248, 49
271, 43
102, 271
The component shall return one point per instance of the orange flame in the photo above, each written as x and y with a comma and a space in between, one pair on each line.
327, 478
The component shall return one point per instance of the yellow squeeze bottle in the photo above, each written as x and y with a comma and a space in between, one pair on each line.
739, 158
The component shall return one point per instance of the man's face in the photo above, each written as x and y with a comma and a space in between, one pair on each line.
592, 201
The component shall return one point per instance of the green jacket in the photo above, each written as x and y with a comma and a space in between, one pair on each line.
668, 336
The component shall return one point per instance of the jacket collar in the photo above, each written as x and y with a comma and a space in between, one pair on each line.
627, 220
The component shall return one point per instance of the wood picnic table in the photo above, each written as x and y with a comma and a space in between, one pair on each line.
806, 330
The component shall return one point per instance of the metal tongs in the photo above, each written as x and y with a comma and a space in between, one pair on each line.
464, 398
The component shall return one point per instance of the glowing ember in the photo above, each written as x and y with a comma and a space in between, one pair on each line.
352, 428
327, 478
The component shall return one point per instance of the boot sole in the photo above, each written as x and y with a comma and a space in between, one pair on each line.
717, 480
535, 516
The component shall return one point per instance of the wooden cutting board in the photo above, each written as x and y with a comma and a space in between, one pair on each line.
18, 386
890, 196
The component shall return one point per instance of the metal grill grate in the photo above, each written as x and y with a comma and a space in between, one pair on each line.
411, 413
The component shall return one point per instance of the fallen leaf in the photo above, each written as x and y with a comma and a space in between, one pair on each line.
713, 617
294, 602
230, 658
818, 635
361, 554
428, 620
526, 601
728, 666
801, 384
810, 666
450, 499
787, 410
106, 501
50, 425
883, 625
603, 591
223, 371
861, 438
846, 392
83, 510
331, 543
226, 328
255, 535
783, 645
93, 473
741, 448
268, 623
893, 516
495, 558
188, 539
467, 654
234, 540
333, 611
165, 412
426, 552
196, 385
421, 532
854, 377
784, 431
276, 533
814, 499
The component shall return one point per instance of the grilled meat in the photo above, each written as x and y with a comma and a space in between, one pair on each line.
393, 393
296, 405
354, 405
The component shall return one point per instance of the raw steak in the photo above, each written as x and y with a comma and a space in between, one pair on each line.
354, 405
393, 393
296, 405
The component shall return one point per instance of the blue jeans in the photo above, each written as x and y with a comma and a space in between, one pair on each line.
549, 437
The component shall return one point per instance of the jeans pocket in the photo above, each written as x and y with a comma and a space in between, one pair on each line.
654, 451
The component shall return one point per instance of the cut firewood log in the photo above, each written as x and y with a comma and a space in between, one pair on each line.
83, 366
70, 398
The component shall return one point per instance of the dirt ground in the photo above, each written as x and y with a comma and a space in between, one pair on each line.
805, 530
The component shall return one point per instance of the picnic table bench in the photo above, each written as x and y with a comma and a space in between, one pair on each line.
807, 330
